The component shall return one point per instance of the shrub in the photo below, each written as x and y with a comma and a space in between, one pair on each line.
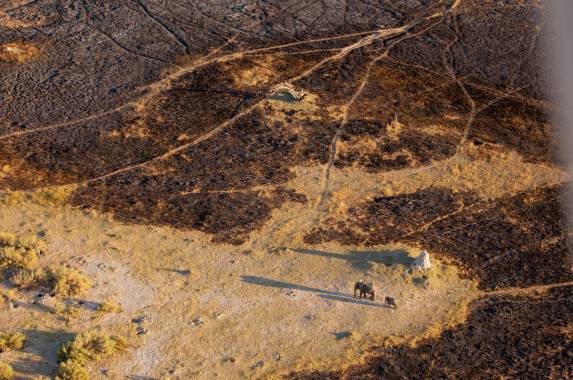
14, 258
19, 262
6, 371
31, 242
90, 346
68, 282
72, 370
108, 307
7, 239
6, 296
11, 341
28, 278
66, 312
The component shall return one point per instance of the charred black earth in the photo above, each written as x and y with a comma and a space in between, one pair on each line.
161, 113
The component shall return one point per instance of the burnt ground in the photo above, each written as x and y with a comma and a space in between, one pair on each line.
140, 115
514, 241
156, 112
505, 336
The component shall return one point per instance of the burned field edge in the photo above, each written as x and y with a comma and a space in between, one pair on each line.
518, 240
405, 118
504, 336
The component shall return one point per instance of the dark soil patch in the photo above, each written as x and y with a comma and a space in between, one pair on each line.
516, 241
504, 337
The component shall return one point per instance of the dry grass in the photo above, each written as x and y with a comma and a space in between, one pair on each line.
19, 52
11, 341
85, 348
19, 259
260, 73
109, 307
141, 267
6, 371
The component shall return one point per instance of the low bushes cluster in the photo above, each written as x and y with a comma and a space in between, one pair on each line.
6, 371
86, 347
109, 307
10, 342
19, 264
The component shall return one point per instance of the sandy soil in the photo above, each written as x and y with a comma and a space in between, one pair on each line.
261, 309
236, 313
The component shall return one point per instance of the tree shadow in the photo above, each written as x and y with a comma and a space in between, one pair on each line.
326, 294
362, 259
33, 306
43, 347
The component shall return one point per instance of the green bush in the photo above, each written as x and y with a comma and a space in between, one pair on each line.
11, 341
6, 371
72, 370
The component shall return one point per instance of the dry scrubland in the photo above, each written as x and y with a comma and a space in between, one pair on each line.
195, 188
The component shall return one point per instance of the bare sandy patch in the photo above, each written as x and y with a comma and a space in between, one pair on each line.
10, 22
234, 312
261, 74
18, 52
490, 176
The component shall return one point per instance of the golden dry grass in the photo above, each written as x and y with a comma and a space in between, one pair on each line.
19, 52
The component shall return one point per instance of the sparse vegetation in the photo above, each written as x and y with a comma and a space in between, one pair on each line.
19, 258
109, 307
72, 370
67, 282
89, 346
10, 342
6, 371
66, 312
18, 254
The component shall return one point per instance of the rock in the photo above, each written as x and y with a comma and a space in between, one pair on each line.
198, 322
140, 330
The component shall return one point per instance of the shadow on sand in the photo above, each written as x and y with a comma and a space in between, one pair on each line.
363, 259
182, 272
43, 345
326, 294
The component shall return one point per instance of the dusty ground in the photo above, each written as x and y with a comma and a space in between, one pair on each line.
151, 144
251, 311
